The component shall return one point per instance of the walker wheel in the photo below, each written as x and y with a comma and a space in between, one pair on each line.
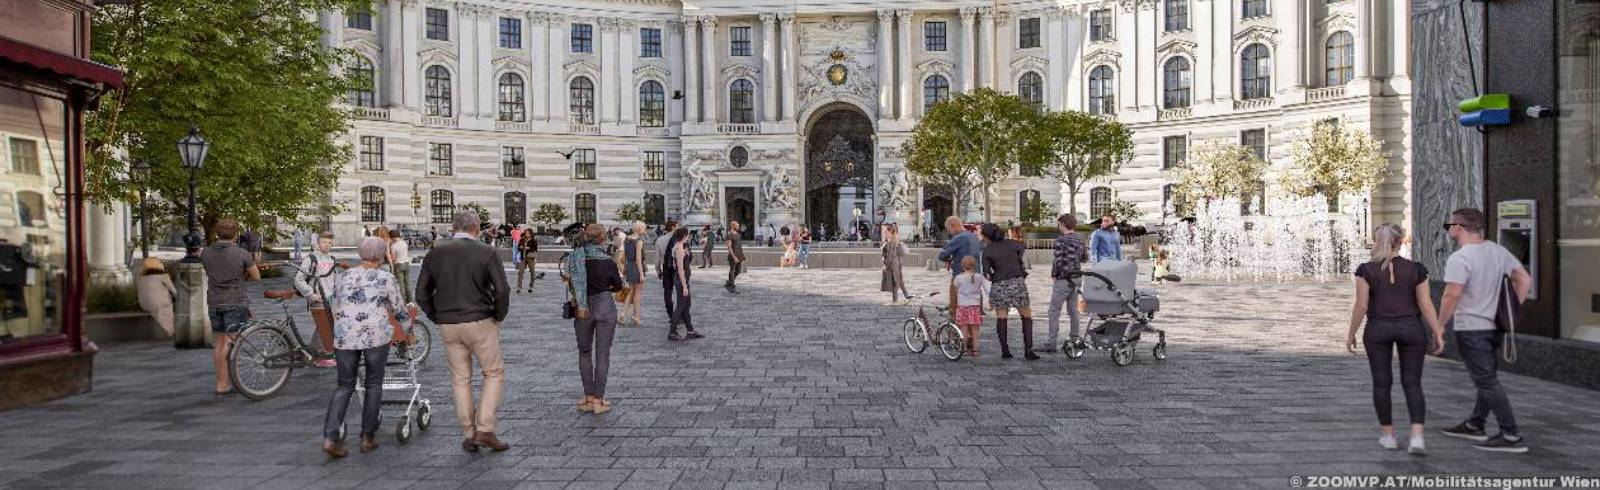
402, 431
1159, 351
1122, 353
424, 417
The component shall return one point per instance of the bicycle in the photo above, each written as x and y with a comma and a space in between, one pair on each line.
947, 335
268, 351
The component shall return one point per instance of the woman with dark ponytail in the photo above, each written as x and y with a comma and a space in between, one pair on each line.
1003, 265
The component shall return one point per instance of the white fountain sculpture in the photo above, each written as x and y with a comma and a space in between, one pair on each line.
1296, 239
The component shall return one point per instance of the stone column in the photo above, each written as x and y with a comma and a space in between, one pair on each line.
1363, 65
769, 67
465, 34
1132, 68
1400, 41
1205, 53
627, 92
708, 66
556, 58
790, 61
1289, 70
1222, 74
609, 82
107, 248
393, 62
411, 39
1005, 43
986, 50
487, 31
903, 64
538, 85
691, 69
332, 22
189, 308
1150, 83
1055, 78
969, 48
1077, 41
885, 60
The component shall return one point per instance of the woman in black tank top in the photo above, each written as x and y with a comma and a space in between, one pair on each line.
1393, 296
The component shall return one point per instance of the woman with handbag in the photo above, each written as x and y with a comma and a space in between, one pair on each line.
894, 254
592, 277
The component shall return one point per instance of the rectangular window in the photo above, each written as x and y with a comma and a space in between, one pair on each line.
510, 33
655, 166
1175, 149
371, 153
1256, 141
649, 42
24, 156
583, 164
739, 41
582, 38
441, 160
512, 164
583, 206
1254, 8
1028, 33
438, 24
1100, 25
1177, 18
933, 36
359, 20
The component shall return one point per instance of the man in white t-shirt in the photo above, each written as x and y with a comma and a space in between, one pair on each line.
1472, 290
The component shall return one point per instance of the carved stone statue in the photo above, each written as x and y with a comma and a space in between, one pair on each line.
699, 192
896, 192
778, 190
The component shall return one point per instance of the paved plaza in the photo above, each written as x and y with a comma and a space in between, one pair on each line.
803, 382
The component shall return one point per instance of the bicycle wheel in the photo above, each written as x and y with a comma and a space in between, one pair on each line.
260, 360
952, 342
423, 332
916, 335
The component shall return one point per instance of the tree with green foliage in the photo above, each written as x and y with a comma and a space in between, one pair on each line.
478, 209
630, 213
550, 215
256, 80
971, 142
1217, 169
1125, 211
1036, 211
1334, 159
1080, 147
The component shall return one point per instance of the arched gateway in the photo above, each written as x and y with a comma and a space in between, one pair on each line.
839, 170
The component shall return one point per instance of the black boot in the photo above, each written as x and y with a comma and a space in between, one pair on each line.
1027, 339
1005, 344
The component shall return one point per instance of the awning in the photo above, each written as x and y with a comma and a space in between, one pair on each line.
18, 52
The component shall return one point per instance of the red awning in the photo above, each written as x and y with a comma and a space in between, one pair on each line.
14, 51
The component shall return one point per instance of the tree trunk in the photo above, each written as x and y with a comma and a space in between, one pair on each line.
988, 207
1072, 200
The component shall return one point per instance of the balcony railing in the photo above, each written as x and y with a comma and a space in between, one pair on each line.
1325, 93
728, 128
439, 121
513, 126
576, 128
1170, 114
372, 113
650, 131
1252, 104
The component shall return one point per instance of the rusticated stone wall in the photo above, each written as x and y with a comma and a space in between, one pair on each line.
1447, 159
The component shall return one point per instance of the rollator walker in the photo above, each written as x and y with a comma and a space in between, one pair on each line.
1119, 314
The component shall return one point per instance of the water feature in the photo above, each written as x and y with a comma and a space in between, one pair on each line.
1297, 239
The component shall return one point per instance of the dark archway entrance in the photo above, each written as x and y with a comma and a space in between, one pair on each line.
938, 206
742, 208
839, 171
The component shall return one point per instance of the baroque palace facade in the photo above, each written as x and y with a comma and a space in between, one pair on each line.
794, 112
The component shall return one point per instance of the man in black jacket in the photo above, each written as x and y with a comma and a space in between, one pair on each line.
463, 289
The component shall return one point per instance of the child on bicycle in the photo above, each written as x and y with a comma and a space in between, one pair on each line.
971, 290
315, 281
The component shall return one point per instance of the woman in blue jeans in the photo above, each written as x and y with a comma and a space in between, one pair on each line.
1392, 295
363, 300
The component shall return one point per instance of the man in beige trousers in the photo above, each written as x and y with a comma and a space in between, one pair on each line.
463, 289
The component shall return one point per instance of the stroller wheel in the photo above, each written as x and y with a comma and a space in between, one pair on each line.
1074, 348
1122, 353
1159, 351
402, 431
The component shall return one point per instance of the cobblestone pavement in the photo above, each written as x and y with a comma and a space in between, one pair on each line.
803, 383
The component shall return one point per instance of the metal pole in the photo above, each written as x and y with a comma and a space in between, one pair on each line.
192, 242
144, 223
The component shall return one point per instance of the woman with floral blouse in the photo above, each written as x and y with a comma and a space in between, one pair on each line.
363, 298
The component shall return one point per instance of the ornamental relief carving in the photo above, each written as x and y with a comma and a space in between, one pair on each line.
837, 78
837, 33
651, 72
1103, 57
1176, 47
935, 67
1029, 63
1258, 34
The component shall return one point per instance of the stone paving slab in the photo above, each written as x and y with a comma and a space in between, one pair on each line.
803, 383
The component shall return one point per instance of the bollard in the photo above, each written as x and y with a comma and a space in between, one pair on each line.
189, 320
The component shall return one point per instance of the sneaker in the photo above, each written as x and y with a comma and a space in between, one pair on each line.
674, 337
326, 363
1500, 444
695, 335
1005, 355
1388, 442
1466, 431
1416, 447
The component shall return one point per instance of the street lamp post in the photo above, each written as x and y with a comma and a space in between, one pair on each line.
141, 175
192, 149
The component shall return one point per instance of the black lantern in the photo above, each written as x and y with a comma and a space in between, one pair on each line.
140, 173
192, 149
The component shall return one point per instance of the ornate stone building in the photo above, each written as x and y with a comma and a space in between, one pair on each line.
793, 112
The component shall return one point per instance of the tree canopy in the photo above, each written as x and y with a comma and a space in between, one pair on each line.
971, 142
256, 80
1217, 169
1079, 147
1334, 159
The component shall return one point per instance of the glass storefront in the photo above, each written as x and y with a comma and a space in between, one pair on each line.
32, 214
1578, 170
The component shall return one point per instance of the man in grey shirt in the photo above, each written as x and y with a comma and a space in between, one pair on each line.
227, 266
1472, 278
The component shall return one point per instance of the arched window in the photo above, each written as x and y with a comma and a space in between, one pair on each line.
371, 204
363, 91
581, 101
655, 209
1179, 79
437, 102
739, 157
742, 102
1255, 72
443, 206
30, 209
1102, 91
1031, 89
652, 105
511, 97
516, 204
1099, 202
935, 89
1177, 15
1341, 58
1025, 199
583, 206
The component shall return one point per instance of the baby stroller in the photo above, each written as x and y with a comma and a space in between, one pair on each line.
1119, 313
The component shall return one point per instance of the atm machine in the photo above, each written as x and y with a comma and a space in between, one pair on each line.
1516, 229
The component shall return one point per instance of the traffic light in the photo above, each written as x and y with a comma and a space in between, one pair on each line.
1486, 110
